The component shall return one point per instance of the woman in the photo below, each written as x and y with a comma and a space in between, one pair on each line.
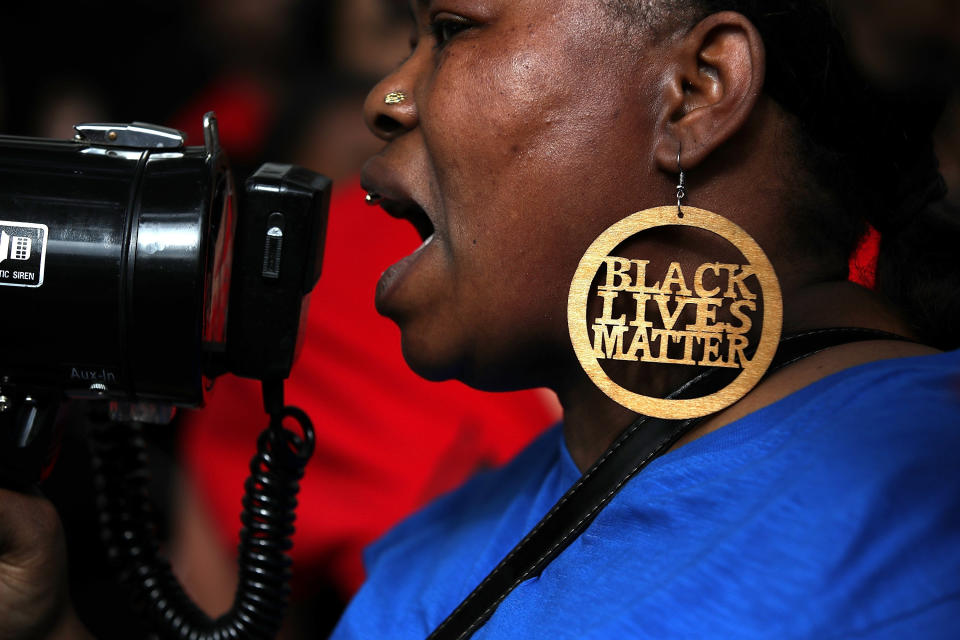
528, 128
822, 503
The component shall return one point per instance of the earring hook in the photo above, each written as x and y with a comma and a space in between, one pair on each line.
681, 187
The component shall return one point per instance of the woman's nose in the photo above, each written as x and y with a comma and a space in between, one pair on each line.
390, 109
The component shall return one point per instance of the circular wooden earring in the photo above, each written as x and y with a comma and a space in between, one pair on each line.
714, 286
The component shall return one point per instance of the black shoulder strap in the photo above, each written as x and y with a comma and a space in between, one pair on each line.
574, 512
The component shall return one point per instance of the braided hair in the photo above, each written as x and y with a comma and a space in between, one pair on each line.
868, 152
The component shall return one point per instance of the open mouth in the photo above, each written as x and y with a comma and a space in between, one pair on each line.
411, 212
403, 209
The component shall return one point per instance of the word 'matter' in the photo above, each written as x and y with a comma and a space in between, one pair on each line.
675, 301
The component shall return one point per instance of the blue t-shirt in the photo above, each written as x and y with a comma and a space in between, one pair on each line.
833, 513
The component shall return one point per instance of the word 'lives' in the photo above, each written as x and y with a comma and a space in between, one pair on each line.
675, 311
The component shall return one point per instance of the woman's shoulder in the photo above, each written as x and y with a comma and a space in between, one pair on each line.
863, 426
879, 380
824, 511
903, 407
889, 417
920, 389
910, 367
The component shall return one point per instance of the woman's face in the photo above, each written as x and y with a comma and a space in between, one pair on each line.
525, 132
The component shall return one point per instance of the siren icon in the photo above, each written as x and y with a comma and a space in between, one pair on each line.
14, 247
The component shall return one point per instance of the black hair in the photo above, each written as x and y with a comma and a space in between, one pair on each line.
869, 151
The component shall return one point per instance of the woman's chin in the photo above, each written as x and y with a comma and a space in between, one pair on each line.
436, 361
437, 356
428, 359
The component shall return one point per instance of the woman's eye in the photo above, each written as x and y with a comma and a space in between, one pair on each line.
444, 29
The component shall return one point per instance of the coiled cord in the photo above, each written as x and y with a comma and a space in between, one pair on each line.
269, 502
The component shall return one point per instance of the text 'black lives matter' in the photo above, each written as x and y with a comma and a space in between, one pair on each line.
23, 249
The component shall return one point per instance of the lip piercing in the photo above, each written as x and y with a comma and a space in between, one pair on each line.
372, 198
394, 97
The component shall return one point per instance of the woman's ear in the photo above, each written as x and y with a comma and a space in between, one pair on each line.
711, 90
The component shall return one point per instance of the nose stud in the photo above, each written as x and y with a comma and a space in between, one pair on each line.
394, 97
372, 198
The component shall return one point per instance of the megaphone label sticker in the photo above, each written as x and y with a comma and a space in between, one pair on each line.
23, 253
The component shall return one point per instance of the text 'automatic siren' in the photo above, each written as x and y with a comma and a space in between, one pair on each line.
23, 251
